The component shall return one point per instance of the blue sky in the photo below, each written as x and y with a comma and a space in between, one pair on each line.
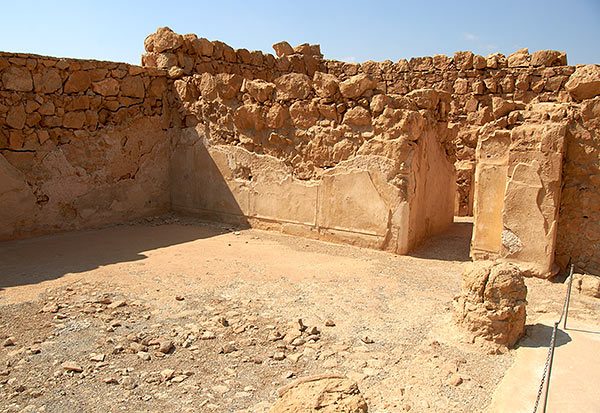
346, 30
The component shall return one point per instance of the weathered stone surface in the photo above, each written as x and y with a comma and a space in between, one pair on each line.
325, 85
228, 85
463, 60
293, 86
358, 116
283, 49
304, 114
326, 393
356, 86
18, 79
548, 58
132, 86
166, 39
78, 81
587, 284
47, 82
16, 117
106, 87
249, 116
492, 304
585, 82
520, 58
259, 89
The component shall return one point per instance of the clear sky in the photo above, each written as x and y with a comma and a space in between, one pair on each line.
346, 30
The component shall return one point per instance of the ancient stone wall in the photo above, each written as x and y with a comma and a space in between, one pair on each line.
314, 157
82, 143
85, 143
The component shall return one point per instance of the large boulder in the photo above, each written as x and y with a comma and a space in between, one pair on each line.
323, 394
584, 83
491, 307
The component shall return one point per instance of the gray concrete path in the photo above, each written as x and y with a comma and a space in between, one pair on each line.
575, 379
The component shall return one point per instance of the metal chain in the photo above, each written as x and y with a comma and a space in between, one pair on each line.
563, 313
541, 389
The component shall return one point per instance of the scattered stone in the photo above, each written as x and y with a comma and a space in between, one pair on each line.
367, 340
97, 357
165, 346
50, 308
278, 356
454, 380
325, 393
301, 325
128, 383
207, 335
223, 321
10, 341
179, 298
179, 379
72, 366
228, 348
144, 355
329, 323
167, 374
117, 304
221, 389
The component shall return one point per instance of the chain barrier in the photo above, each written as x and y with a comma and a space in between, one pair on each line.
550, 357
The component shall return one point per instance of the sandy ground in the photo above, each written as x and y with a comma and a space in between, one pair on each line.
108, 301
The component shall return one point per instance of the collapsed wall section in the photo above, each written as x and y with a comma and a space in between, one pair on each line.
82, 144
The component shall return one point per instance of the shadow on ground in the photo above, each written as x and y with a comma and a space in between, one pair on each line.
451, 245
35, 260
540, 335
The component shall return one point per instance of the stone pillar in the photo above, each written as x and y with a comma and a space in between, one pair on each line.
491, 306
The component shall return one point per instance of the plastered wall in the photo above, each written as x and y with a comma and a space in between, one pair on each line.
82, 143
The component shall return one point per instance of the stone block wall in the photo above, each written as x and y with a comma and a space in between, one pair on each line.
314, 157
271, 141
82, 143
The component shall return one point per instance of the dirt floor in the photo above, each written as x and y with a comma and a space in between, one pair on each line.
173, 314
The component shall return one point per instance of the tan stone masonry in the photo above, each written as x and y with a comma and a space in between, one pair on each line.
353, 153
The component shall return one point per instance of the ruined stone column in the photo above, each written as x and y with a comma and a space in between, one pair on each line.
491, 306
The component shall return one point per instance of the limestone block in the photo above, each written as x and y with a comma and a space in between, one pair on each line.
326, 393
358, 116
587, 284
283, 49
293, 86
17, 79
47, 82
548, 58
304, 114
356, 85
326, 85
106, 87
520, 58
165, 39
585, 82
463, 60
228, 85
259, 89
490, 182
